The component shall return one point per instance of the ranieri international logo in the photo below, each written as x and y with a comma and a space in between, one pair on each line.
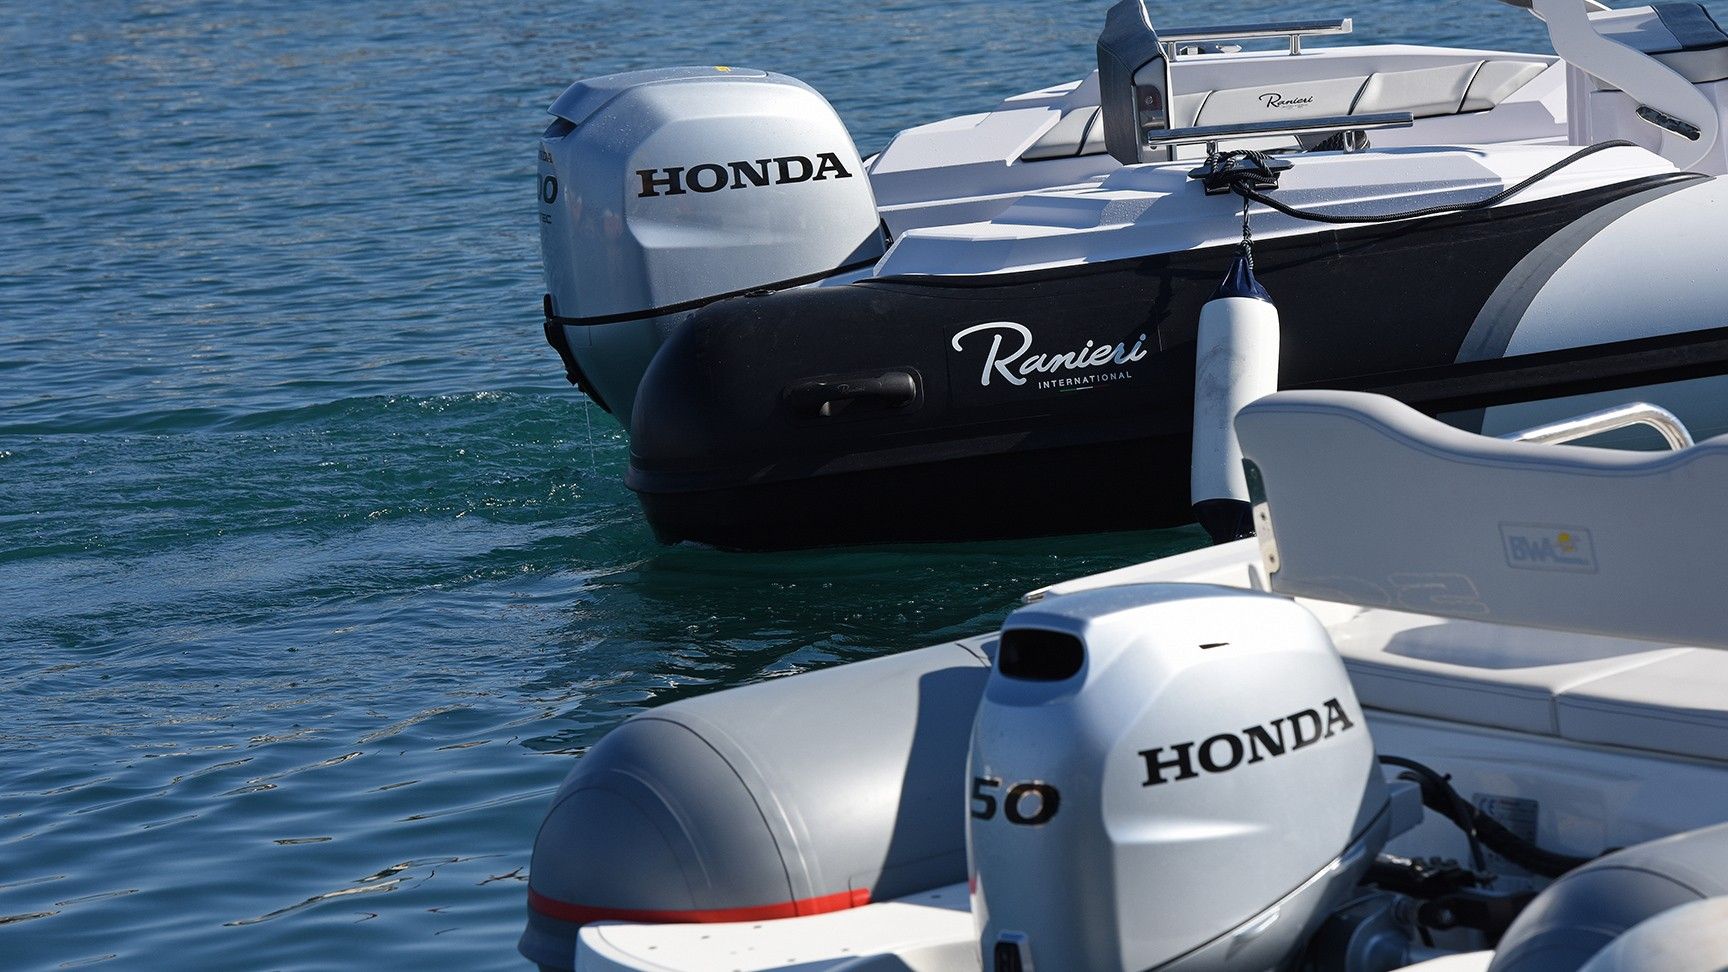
1543, 546
1273, 99
1012, 361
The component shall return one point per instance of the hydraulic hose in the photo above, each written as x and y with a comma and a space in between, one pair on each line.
1439, 796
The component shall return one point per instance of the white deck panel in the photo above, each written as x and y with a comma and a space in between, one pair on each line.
923, 931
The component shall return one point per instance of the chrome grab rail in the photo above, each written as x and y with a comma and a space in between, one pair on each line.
1608, 420
1593, 6
1211, 135
1295, 30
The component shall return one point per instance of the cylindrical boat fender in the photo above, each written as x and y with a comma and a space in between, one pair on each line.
792, 797
1235, 362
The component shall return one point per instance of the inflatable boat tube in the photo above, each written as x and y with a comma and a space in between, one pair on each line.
1589, 908
798, 796
930, 407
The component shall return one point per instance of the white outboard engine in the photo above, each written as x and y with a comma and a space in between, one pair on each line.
661, 191
1166, 776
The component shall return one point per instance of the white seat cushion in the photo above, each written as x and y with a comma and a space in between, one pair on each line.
1331, 81
1468, 671
1677, 704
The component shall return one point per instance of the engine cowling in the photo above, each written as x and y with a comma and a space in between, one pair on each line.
661, 191
1166, 773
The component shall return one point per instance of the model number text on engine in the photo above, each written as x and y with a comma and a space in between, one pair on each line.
1028, 804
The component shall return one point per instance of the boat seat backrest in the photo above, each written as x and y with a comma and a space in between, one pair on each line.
1346, 81
1365, 501
1226, 90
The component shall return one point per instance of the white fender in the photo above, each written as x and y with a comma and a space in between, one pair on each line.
1235, 362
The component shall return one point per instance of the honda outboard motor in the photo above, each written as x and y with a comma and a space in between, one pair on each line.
1170, 776
661, 191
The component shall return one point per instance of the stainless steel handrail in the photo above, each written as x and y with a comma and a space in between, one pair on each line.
1211, 135
1608, 420
1594, 6
1295, 30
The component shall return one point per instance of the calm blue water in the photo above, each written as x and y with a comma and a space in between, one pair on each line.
314, 575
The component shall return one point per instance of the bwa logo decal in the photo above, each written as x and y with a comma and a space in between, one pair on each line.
1542, 546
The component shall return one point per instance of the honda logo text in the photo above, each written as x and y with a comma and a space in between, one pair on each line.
1225, 751
715, 176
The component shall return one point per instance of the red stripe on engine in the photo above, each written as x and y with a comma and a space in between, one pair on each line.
582, 914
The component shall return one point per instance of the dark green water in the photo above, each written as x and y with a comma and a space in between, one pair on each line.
314, 575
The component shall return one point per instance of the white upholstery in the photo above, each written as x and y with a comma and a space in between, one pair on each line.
1374, 507
1225, 89
1677, 704
1291, 99
1425, 92
1355, 86
1483, 674
1372, 503
1585, 688
1496, 81
1608, 691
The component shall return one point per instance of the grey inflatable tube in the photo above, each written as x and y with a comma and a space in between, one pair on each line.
1580, 914
796, 796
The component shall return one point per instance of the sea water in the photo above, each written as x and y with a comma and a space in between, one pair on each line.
315, 576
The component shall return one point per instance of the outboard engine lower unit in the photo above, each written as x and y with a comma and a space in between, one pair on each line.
1161, 782
661, 191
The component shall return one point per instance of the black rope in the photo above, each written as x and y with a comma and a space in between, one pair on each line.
1240, 188
1247, 238
1213, 159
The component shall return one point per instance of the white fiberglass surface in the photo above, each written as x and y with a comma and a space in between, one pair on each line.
1156, 208
919, 923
